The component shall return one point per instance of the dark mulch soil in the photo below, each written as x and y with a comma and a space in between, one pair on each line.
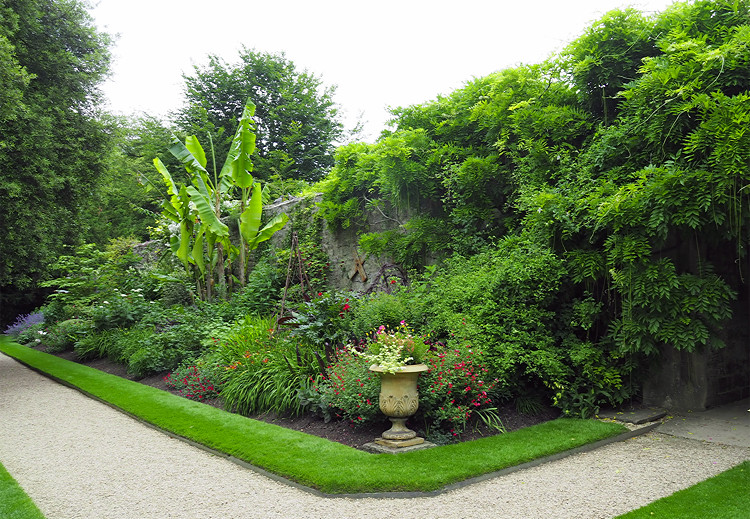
338, 431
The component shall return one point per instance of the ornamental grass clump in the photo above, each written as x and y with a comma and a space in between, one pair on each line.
394, 349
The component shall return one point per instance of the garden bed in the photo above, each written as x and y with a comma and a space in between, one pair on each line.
336, 430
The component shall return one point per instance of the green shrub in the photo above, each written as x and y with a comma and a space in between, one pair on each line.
350, 389
64, 335
456, 386
383, 309
262, 291
265, 370
123, 343
324, 322
152, 358
199, 379
120, 309
96, 345
31, 335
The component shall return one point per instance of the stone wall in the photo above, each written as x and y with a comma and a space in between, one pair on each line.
341, 247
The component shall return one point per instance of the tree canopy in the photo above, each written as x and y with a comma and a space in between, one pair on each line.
51, 141
296, 119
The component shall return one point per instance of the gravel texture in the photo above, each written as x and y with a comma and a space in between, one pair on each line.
78, 458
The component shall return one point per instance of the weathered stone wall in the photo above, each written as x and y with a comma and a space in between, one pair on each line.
680, 380
341, 247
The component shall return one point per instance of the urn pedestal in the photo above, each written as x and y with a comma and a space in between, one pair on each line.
399, 400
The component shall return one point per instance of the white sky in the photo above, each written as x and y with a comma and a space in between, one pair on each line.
379, 54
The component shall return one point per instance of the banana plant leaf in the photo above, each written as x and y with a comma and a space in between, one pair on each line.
203, 203
196, 150
198, 252
250, 217
238, 164
186, 158
277, 223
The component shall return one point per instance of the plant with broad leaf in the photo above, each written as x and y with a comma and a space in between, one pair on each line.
203, 245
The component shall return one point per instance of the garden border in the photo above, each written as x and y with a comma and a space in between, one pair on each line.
385, 494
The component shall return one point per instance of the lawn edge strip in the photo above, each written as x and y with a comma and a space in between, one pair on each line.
334, 478
692, 498
15, 498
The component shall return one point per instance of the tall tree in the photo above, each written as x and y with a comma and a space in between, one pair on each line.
296, 120
51, 142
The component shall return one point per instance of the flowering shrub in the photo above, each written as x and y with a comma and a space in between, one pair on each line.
393, 349
456, 385
24, 322
350, 389
196, 381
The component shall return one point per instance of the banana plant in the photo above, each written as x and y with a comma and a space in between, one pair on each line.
197, 207
238, 167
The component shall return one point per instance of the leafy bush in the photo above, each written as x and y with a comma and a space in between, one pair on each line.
32, 335
97, 344
261, 293
324, 322
64, 335
455, 387
383, 309
199, 380
120, 310
350, 389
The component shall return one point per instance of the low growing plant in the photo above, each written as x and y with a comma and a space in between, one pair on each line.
454, 389
350, 389
199, 380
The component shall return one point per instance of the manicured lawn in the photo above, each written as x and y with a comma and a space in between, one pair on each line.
318, 463
725, 496
14, 503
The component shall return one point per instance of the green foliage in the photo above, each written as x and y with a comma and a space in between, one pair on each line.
64, 335
198, 380
264, 370
382, 309
53, 147
97, 345
203, 243
121, 310
350, 389
297, 120
455, 388
324, 321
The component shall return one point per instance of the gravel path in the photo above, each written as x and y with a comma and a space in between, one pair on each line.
78, 458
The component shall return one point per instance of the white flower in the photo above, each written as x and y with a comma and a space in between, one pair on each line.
39, 340
42, 332
105, 302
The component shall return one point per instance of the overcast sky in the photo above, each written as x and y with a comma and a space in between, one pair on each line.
379, 54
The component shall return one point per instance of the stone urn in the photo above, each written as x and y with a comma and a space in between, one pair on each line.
399, 400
